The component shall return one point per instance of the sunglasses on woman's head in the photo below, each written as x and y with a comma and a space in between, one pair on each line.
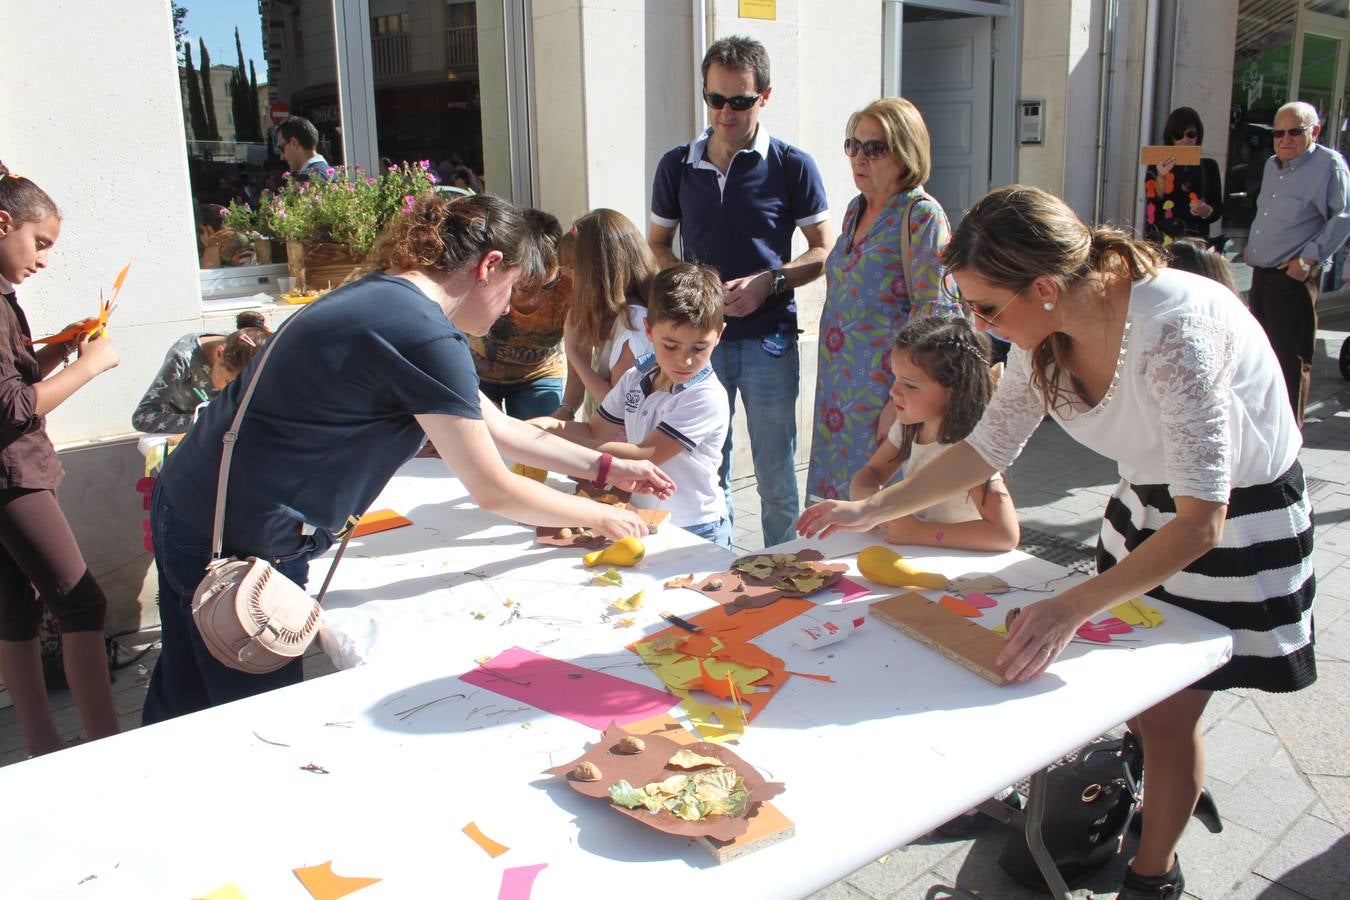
1296, 131
740, 103
870, 149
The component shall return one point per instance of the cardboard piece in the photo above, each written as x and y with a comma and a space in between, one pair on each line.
575, 537
1153, 154
959, 639
323, 884
649, 766
768, 825
592, 698
738, 590
978, 581
378, 520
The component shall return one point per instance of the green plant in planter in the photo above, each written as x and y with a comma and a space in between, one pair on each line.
349, 208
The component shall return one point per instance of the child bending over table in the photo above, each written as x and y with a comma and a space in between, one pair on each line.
670, 404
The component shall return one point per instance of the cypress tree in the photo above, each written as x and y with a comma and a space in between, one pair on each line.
253, 102
196, 112
208, 95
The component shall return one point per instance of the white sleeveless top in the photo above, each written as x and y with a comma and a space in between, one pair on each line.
958, 508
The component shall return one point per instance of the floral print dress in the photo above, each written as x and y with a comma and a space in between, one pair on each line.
866, 303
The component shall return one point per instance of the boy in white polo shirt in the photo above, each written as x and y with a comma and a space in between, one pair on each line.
670, 403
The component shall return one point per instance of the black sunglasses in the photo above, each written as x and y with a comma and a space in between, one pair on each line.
740, 104
870, 149
1188, 133
1296, 131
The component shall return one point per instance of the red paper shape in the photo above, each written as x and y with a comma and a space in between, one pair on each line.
517, 881
1101, 631
980, 601
591, 698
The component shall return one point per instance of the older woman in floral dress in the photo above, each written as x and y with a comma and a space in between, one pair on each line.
871, 293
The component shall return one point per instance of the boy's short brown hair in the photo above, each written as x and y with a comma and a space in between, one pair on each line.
687, 294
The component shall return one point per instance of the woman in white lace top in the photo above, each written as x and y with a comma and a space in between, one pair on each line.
1168, 374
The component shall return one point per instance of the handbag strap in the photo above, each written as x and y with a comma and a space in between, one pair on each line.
904, 242
227, 454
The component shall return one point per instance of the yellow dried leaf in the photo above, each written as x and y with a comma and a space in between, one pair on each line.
625, 622
681, 581
630, 604
608, 578
688, 759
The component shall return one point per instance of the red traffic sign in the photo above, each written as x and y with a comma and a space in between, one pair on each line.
279, 112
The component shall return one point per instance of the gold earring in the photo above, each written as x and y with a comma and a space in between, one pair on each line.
482, 282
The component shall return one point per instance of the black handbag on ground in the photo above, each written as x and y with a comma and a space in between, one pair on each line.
1088, 805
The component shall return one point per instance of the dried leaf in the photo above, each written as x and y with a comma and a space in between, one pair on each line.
666, 643
478, 614
688, 759
625, 622
630, 604
681, 581
608, 578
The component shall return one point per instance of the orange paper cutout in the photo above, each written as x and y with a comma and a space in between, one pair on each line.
323, 884
94, 326
490, 847
379, 520
816, 676
960, 607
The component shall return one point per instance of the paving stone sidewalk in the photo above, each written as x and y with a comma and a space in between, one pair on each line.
1278, 765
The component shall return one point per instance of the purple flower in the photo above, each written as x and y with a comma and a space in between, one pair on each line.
408, 202
425, 164
350, 187
330, 171
370, 181
435, 179
285, 174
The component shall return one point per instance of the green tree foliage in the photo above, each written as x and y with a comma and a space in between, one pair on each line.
196, 112
208, 96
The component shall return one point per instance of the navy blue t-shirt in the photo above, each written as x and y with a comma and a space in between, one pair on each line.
744, 223
331, 419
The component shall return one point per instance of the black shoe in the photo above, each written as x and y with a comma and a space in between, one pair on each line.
1206, 810
1168, 886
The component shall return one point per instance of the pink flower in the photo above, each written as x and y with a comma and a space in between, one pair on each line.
350, 187
370, 181
285, 174
425, 164
408, 202
330, 171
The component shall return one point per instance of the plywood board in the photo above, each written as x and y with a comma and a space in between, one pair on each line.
1154, 154
955, 637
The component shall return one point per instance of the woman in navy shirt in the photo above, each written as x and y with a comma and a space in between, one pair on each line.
348, 394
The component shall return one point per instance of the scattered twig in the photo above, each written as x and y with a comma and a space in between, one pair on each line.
406, 714
495, 674
86, 878
507, 712
315, 768
392, 699
346, 724
266, 741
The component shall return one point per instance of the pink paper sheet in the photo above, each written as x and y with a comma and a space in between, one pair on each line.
850, 589
553, 685
517, 881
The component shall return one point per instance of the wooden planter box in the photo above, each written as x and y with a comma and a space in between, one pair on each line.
320, 267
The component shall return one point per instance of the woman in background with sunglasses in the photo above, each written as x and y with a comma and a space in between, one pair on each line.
872, 290
1182, 200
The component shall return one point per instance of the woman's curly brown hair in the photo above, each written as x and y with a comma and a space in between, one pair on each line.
445, 234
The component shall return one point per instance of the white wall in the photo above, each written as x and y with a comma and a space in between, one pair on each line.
1203, 75
109, 148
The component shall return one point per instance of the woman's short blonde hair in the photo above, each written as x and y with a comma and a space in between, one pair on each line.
906, 136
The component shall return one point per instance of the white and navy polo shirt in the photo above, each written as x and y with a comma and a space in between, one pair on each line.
742, 222
696, 414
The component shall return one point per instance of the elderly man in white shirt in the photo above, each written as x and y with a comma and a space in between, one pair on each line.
1302, 218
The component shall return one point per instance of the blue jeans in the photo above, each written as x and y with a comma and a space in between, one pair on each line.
768, 383
527, 400
187, 678
719, 532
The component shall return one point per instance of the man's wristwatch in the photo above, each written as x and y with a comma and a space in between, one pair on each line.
780, 282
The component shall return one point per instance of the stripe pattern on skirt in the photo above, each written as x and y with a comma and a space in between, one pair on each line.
1258, 581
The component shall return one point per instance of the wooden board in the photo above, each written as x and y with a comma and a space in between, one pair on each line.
1153, 154
955, 637
767, 826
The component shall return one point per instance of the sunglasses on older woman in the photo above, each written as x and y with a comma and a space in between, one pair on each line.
870, 149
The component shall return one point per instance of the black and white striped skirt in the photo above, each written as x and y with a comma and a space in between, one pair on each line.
1258, 581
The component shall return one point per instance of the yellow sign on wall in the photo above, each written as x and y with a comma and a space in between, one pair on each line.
759, 9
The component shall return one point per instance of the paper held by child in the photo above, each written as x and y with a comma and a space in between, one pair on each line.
94, 326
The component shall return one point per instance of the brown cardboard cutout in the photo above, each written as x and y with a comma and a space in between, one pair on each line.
574, 537
650, 765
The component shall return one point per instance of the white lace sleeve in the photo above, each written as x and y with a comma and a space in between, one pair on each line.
1012, 415
1188, 368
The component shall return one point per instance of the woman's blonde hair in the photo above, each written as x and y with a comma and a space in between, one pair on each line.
906, 137
1017, 234
612, 268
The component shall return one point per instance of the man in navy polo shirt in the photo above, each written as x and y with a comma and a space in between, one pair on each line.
737, 195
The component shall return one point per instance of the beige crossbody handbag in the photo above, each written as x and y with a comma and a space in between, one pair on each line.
251, 617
